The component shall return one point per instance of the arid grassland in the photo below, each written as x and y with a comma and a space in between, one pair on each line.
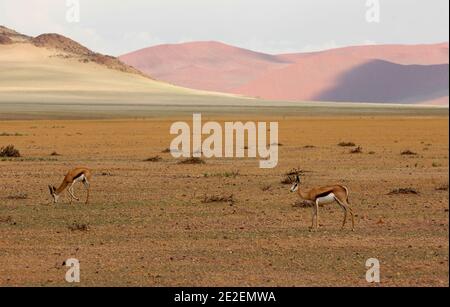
226, 222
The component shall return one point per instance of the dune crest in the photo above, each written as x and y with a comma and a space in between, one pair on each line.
293, 77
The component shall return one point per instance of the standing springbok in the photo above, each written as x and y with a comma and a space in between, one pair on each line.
79, 174
325, 195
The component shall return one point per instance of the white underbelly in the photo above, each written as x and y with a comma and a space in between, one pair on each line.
80, 179
326, 199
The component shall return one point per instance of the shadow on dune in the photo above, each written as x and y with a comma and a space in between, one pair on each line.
385, 82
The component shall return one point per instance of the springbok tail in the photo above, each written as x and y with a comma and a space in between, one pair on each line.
347, 193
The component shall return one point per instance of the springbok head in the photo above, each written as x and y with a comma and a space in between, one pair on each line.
53, 193
296, 183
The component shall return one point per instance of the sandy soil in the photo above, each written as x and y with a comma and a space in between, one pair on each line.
147, 224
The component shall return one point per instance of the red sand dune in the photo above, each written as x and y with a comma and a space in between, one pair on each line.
203, 65
327, 75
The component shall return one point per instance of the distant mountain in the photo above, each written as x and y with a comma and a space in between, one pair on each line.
318, 76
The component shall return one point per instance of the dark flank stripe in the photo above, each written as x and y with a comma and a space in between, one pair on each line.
323, 194
77, 176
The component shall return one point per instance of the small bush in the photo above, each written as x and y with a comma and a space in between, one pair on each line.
18, 196
347, 144
266, 188
303, 204
218, 199
192, 161
356, 150
153, 159
10, 134
54, 154
408, 153
9, 151
7, 220
106, 174
78, 227
403, 191
442, 188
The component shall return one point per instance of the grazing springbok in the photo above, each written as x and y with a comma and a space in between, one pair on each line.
79, 174
325, 195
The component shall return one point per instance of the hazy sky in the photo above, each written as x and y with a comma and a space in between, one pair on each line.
274, 26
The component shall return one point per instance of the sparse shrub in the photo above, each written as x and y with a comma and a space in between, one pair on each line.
347, 144
266, 187
443, 187
309, 146
153, 159
218, 199
10, 134
54, 154
232, 174
356, 150
371, 152
7, 220
403, 191
106, 174
18, 196
78, 227
9, 151
303, 204
436, 164
408, 153
192, 160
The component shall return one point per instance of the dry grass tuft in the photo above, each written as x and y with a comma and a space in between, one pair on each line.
408, 153
9, 151
347, 144
207, 199
266, 188
78, 227
356, 150
18, 196
192, 160
153, 159
403, 191
443, 187
7, 220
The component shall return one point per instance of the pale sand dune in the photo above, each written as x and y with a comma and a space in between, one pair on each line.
30, 74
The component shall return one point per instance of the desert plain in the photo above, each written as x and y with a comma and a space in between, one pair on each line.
225, 222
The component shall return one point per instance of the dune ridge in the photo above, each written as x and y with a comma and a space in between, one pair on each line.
293, 77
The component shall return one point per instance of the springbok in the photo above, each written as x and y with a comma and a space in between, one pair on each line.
325, 195
79, 174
